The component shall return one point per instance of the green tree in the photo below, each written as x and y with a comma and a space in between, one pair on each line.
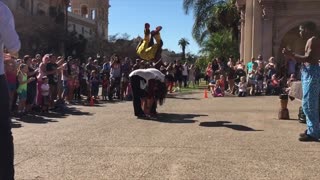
183, 43
220, 44
212, 16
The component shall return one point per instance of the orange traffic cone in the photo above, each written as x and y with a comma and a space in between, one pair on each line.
205, 93
91, 101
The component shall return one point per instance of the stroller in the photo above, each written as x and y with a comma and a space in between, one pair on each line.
238, 74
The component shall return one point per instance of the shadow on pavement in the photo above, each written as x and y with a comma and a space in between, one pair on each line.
63, 111
16, 125
177, 118
227, 124
290, 119
183, 98
34, 119
47, 117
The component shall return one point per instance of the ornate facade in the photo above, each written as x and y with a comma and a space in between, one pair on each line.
36, 21
90, 18
41, 24
267, 26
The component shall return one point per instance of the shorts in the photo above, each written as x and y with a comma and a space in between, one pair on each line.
12, 87
178, 78
45, 100
170, 78
22, 95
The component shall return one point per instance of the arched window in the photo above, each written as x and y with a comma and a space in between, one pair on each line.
84, 10
40, 10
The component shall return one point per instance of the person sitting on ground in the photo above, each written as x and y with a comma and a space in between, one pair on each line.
242, 87
212, 84
273, 87
217, 88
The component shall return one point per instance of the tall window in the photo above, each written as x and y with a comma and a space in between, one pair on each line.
23, 3
93, 14
84, 11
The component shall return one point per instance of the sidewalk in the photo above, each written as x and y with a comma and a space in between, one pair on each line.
194, 138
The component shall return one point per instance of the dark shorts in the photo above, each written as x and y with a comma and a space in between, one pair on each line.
12, 87
170, 78
22, 95
178, 78
45, 100
31, 95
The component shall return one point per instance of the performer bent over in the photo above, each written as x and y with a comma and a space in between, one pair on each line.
147, 50
148, 87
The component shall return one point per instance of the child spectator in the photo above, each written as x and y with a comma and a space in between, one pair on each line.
212, 84
22, 89
123, 85
260, 78
45, 89
273, 86
242, 87
105, 86
94, 82
252, 79
220, 87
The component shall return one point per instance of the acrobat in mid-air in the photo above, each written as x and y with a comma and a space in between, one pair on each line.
147, 49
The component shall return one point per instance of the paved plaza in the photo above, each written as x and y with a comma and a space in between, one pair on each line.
194, 138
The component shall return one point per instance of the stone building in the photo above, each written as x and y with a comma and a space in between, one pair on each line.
267, 26
90, 18
41, 23
36, 21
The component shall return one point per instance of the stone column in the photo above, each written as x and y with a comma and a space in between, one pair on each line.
248, 31
267, 30
256, 30
242, 25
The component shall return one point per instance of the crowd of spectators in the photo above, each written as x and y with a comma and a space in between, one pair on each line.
257, 77
43, 82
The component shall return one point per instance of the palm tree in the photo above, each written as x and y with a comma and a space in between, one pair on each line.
220, 45
212, 16
183, 43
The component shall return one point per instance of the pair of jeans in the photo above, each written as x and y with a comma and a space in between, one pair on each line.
6, 139
137, 94
310, 78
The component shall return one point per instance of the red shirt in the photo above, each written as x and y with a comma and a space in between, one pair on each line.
11, 78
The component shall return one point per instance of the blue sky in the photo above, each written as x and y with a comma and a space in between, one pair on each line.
129, 16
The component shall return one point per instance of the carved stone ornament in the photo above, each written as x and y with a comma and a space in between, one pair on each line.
240, 4
267, 8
